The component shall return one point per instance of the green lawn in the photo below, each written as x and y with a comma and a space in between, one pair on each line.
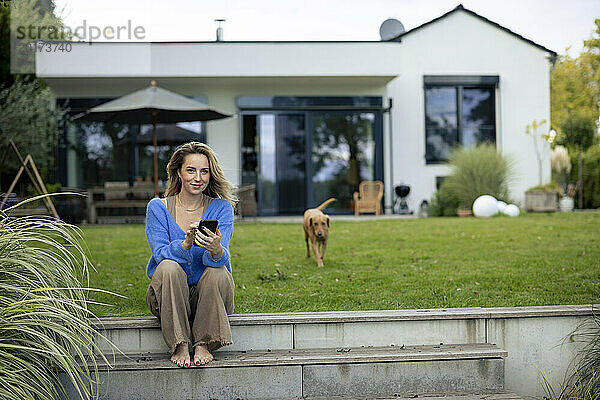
536, 259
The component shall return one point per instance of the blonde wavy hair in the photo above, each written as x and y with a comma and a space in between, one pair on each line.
218, 186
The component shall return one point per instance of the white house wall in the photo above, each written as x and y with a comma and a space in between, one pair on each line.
461, 44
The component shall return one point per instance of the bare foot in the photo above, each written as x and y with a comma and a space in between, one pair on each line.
181, 356
202, 355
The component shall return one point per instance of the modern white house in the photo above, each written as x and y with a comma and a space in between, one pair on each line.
313, 119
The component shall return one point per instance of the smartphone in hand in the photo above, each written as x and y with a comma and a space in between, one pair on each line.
211, 224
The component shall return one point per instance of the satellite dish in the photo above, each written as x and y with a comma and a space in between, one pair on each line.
391, 29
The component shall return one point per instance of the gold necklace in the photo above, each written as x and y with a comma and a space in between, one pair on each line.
187, 209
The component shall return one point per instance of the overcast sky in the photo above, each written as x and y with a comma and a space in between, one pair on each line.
554, 24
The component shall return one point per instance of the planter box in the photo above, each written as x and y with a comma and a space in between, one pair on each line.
541, 200
464, 212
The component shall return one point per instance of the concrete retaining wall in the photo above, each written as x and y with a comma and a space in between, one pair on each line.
533, 336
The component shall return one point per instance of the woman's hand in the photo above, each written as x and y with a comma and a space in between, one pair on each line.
189, 236
210, 241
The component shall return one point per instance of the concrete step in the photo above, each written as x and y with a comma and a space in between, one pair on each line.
314, 356
308, 373
339, 328
482, 395
278, 331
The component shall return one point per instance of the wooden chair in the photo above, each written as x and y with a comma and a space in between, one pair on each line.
246, 206
368, 197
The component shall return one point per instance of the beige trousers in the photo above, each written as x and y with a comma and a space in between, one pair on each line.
205, 306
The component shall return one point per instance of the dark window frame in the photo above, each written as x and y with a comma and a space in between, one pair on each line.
459, 83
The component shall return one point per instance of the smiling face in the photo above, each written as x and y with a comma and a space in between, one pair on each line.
194, 174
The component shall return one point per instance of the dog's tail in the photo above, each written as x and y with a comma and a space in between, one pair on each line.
326, 203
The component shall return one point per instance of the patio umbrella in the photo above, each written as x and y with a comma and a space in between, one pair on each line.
151, 105
166, 135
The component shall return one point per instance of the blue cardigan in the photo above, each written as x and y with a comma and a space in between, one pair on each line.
165, 238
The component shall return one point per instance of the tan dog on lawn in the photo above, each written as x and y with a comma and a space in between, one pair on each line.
316, 228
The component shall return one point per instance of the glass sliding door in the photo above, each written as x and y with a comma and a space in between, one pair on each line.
282, 154
291, 165
300, 151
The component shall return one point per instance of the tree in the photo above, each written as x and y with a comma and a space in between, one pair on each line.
571, 90
578, 133
29, 118
17, 14
592, 60
27, 112
575, 83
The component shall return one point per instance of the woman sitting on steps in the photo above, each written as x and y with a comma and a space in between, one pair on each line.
191, 288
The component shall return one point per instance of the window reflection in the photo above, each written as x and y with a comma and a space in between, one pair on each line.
444, 129
441, 122
99, 153
478, 116
267, 153
343, 153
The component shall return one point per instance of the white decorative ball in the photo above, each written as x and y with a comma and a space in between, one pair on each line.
485, 206
501, 206
511, 210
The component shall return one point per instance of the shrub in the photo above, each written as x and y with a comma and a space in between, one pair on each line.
590, 177
476, 171
44, 321
578, 133
442, 205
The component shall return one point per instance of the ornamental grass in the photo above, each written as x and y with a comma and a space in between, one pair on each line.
45, 326
476, 171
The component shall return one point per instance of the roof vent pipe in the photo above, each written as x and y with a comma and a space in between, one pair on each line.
220, 36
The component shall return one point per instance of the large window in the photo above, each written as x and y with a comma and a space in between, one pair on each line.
459, 111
